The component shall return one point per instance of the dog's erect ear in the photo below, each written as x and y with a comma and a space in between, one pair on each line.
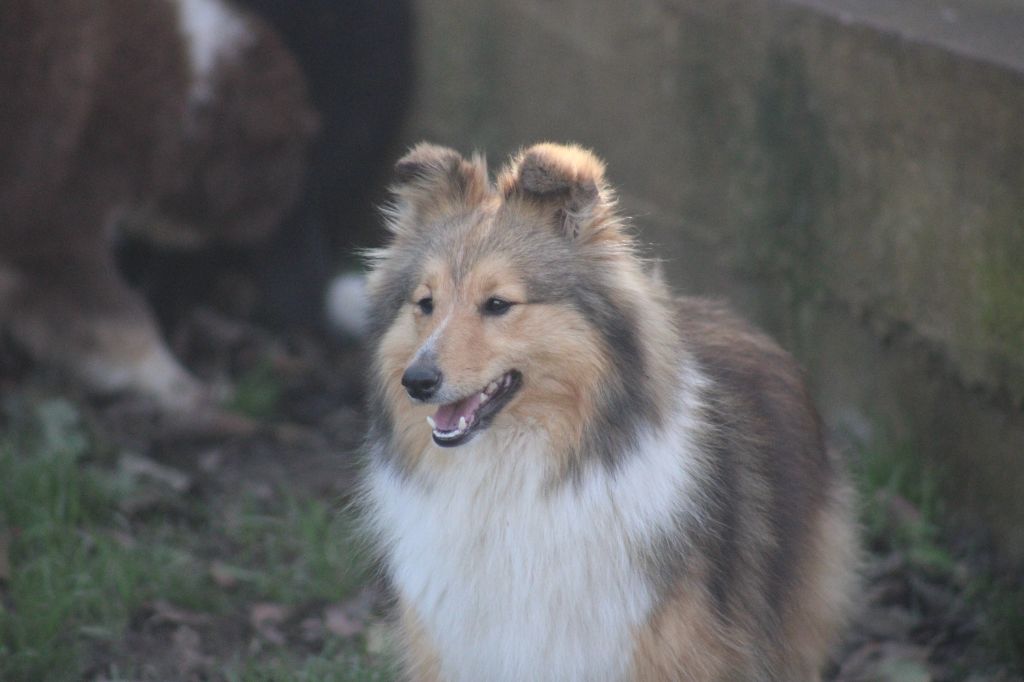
431, 180
567, 183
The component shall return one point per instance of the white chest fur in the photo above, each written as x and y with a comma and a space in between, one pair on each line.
514, 581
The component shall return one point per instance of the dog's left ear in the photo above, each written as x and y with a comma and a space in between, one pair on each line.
567, 183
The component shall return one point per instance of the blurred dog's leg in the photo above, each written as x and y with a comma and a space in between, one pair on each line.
74, 311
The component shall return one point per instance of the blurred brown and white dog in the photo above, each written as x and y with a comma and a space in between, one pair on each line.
572, 474
185, 119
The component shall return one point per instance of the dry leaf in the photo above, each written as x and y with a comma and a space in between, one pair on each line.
210, 461
124, 539
265, 613
378, 638
273, 635
188, 651
341, 622
890, 661
898, 508
888, 622
349, 617
142, 467
265, 617
165, 612
223, 575
214, 423
312, 630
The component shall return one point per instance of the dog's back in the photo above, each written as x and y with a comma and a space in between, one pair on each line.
761, 585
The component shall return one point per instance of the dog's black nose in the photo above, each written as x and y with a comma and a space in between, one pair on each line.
421, 381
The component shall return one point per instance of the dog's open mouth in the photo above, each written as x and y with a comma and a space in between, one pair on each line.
453, 424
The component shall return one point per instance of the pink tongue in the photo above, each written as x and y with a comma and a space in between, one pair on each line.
447, 416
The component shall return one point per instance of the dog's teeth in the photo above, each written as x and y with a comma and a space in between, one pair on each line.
492, 387
433, 424
483, 398
462, 423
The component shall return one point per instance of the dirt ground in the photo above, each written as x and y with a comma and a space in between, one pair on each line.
291, 433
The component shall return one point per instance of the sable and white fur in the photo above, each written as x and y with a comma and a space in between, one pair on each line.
183, 121
653, 502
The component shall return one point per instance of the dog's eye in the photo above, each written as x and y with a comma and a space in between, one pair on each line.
496, 306
426, 305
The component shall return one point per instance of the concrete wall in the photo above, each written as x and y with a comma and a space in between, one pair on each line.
854, 182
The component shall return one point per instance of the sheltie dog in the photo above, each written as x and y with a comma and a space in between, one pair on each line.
572, 474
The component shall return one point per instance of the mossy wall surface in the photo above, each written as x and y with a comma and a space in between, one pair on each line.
856, 189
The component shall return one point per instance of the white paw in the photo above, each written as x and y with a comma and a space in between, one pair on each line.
155, 374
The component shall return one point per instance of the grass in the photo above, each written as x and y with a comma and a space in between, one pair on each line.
308, 551
74, 576
1003, 604
81, 568
257, 392
887, 475
895, 471
337, 663
63, 572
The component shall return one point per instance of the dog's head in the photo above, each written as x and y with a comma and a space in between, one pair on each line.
505, 306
